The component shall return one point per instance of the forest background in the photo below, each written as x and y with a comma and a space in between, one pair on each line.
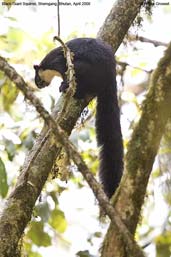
67, 222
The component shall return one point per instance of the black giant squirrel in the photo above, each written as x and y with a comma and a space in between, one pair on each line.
94, 66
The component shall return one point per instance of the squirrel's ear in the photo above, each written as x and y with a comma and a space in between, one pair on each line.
36, 67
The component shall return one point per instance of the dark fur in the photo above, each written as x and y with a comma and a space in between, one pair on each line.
95, 75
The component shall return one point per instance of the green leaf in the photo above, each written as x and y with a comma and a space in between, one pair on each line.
37, 234
9, 93
15, 37
163, 242
10, 149
57, 220
43, 211
54, 196
35, 254
3, 180
84, 254
27, 246
98, 234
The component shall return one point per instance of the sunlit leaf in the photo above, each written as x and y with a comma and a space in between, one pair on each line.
2, 76
37, 234
128, 97
27, 246
27, 137
9, 93
142, 64
163, 243
90, 157
12, 18
98, 234
3, 180
10, 149
54, 195
15, 38
84, 254
58, 221
135, 72
165, 238
35, 254
42, 210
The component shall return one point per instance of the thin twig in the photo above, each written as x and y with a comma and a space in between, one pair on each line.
70, 72
58, 17
146, 40
125, 64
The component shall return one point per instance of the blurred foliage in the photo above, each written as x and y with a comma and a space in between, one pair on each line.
57, 220
84, 254
20, 125
3, 180
37, 234
9, 94
163, 244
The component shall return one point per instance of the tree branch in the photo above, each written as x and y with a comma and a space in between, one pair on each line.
141, 153
63, 141
118, 21
146, 40
22, 199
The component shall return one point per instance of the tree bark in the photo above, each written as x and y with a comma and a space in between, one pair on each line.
118, 21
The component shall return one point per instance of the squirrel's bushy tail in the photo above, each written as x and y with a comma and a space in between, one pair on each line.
109, 139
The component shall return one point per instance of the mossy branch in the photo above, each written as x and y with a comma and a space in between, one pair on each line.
141, 153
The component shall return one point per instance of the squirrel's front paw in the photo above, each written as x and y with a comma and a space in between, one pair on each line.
63, 87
